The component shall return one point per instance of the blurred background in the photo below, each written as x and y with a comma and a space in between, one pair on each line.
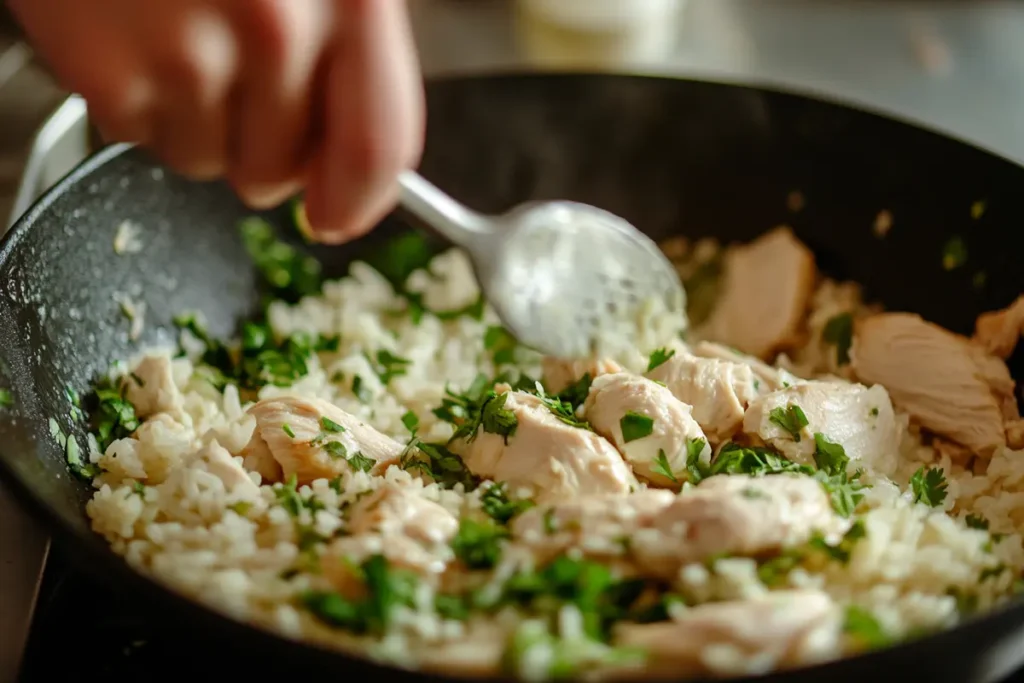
953, 65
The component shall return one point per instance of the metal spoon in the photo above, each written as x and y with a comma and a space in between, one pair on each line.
559, 274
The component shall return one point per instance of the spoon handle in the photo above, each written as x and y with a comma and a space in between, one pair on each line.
426, 201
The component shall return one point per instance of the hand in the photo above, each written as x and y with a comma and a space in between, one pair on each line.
275, 95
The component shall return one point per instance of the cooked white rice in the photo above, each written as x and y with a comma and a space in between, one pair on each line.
159, 506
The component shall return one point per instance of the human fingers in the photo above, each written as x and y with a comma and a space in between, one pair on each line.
271, 130
195, 64
374, 119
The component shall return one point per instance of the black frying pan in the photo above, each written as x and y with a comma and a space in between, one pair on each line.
673, 157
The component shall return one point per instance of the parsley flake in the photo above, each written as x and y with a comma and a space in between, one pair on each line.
330, 426
411, 421
662, 467
387, 366
287, 429
828, 456
478, 544
791, 419
838, 332
635, 426
659, 357
928, 485
862, 626
976, 522
499, 507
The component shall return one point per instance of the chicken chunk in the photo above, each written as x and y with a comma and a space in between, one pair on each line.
859, 419
780, 629
409, 530
949, 385
559, 375
767, 378
718, 390
219, 463
999, 331
256, 457
597, 525
313, 439
736, 515
621, 401
545, 455
765, 291
151, 388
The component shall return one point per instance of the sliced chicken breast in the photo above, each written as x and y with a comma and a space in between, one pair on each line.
559, 375
151, 388
735, 515
767, 378
313, 439
406, 528
1000, 331
598, 526
718, 391
765, 291
859, 419
780, 629
546, 456
947, 384
652, 429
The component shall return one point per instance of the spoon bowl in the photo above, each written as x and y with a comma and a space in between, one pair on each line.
567, 279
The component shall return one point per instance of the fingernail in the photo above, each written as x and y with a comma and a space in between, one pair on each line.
266, 196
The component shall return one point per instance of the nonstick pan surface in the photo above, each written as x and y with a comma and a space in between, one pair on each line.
671, 156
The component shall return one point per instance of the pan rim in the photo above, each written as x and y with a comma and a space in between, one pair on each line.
110, 567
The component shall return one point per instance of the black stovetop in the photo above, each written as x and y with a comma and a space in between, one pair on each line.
84, 631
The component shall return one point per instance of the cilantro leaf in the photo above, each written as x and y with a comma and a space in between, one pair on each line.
411, 421
974, 521
658, 357
501, 344
496, 504
661, 466
791, 419
387, 365
928, 485
114, 417
330, 426
576, 394
828, 456
863, 627
477, 544
635, 426
695, 470
288, 273
838, 332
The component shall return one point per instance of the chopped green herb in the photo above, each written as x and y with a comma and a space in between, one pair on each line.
929, 486
874, 411
966, 603
575, 394
386, 589
477, 544
863, 627
336, 450
361, 463
635, 426
662, 467
360, 391
563, 410
838, 332
694, 467
774, 572
411, 421
501, 344
992, 572
6, 398
549, 521
453, 607
401, 256
330, 426
954, 253
139, 489
114, 417
496, 504
828, 456
976, 522
658, 357
241, 508
437, 462
287, 429
791, 419
842, 551
387, 366
289, 274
